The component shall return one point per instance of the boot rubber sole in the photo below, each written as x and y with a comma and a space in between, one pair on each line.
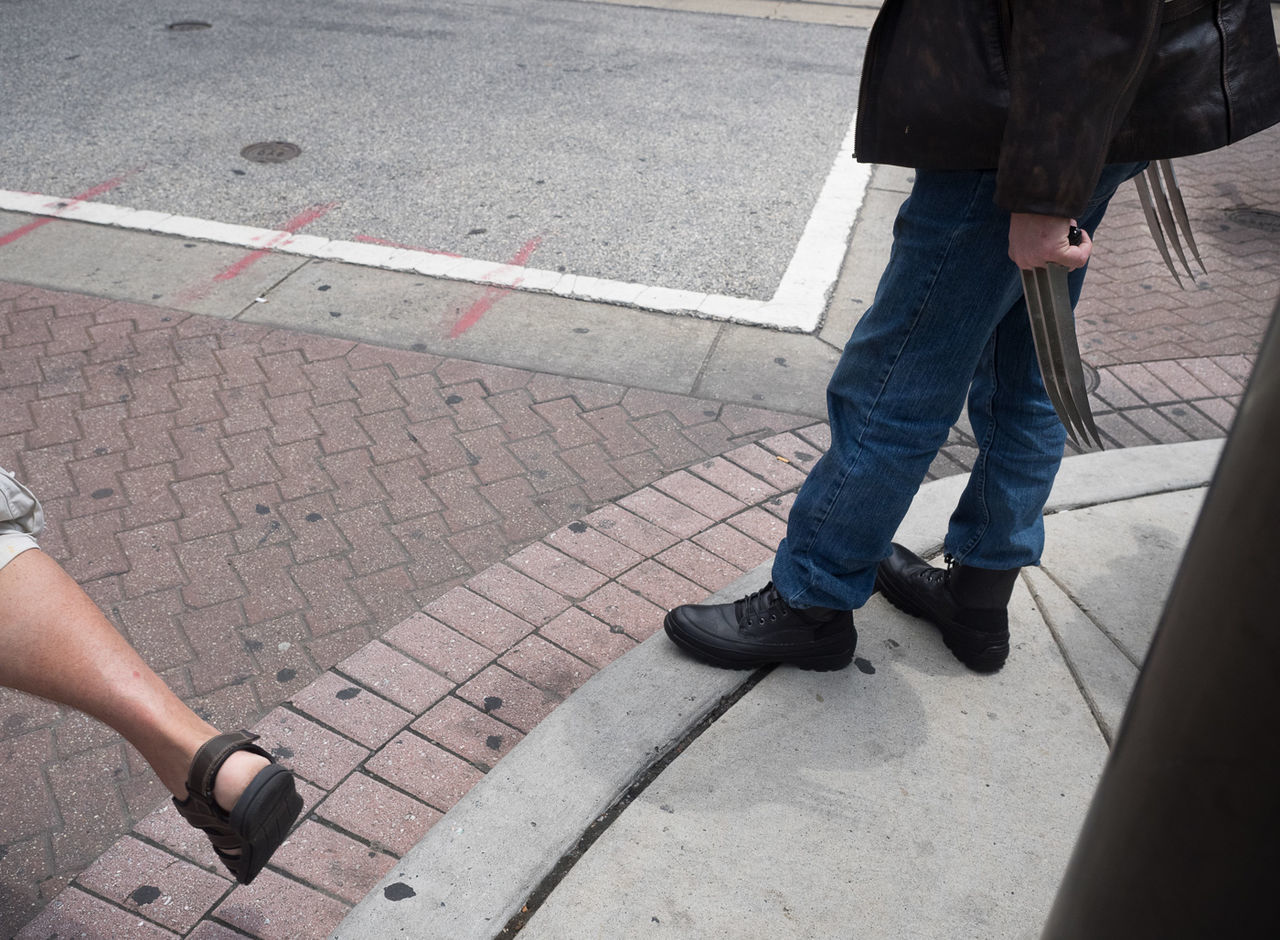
824, 657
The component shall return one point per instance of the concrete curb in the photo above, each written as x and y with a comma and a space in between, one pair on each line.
478, 866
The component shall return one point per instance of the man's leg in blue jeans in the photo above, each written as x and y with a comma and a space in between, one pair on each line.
997, 527
948, 321
998, 522
948, 314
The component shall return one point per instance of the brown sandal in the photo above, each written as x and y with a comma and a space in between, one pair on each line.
257, 825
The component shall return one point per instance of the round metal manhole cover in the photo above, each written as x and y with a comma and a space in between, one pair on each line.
188, 26
271, 151
1264, 219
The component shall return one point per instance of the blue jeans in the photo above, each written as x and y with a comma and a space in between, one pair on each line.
948, 322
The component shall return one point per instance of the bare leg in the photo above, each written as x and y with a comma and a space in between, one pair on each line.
58, 645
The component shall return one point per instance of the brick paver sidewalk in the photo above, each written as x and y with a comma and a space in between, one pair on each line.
405, 561
251, 506
1172, 362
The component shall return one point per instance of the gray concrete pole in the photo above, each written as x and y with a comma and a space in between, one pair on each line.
1183, 836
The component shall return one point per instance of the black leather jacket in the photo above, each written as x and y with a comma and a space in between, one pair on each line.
1047, 91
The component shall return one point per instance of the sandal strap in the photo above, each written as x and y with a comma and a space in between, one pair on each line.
213, 754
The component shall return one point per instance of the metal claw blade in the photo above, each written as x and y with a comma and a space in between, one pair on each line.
1180, 208
1054, 283
1052, 369
1165, 211
1153, 223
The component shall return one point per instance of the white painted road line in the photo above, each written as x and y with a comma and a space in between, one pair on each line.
797, 305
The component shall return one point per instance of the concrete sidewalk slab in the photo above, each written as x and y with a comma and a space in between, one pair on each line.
913, 799
1123, 584
450, 318
904, 797
1101, 606
141, 267
907, 797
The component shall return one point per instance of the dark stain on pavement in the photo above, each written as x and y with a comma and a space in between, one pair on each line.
398, 891
144, 894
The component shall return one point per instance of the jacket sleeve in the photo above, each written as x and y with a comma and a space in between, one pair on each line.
1074, 68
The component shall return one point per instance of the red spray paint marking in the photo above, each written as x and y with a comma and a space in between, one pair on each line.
73, 201
493, 294
370, 240
199, 291
292, 227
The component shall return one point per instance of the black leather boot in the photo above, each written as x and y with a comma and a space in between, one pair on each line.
969, 605
761, 629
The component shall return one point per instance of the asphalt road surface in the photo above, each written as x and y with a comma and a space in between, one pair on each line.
667, 149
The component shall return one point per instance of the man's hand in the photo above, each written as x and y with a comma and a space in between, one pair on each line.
1035, 240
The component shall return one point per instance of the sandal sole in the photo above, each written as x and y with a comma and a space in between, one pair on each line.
262, 817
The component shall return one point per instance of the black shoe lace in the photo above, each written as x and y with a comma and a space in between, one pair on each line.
763, 605
933, 575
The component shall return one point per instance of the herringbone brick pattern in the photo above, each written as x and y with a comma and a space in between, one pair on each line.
1132, 310
252, 506
398, 732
